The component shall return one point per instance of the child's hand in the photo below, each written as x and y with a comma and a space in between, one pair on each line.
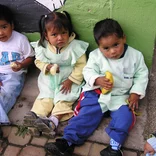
133, 101
103, 82
66, 86
49, 66
16, 66
148, 149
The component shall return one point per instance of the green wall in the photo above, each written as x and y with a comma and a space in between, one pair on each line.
137, 18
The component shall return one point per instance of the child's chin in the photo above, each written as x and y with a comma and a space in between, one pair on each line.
3, 39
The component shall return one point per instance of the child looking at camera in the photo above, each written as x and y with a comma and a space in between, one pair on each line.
61, 58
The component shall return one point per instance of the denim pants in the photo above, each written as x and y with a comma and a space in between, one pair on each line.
12, 85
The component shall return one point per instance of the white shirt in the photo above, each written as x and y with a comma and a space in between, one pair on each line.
17, 48
130, 75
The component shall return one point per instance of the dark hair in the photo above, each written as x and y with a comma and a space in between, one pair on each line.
107, 27
6, 14
58, 20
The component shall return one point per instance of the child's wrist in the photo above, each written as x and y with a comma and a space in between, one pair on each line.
48, 67
21, 65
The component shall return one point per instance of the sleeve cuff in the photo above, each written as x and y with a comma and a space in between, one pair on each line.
44, 69
141, 95
74, 80
152, 142
92, 80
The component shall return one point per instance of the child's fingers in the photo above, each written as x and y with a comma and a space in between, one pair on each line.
65, 90
134, 105
107, 83
107, 87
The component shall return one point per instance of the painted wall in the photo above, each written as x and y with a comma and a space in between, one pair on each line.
137, 17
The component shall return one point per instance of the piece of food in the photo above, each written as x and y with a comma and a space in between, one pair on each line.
110, 77
53, 69
13, 65
135, 112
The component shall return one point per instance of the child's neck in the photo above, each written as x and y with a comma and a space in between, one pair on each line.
125, 48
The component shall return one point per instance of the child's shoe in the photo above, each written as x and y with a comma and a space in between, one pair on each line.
110, 152
59, 148
29, 119
44, 125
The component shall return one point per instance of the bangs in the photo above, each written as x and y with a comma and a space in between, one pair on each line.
57, 25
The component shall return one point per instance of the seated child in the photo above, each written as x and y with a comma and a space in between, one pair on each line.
61, 58
16, 55
130, 76
150, 146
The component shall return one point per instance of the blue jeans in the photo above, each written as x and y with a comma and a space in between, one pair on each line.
12, 85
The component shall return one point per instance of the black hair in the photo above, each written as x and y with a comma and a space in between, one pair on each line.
6, 14
107, 27
58, 20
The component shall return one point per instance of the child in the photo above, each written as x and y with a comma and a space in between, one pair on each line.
130, 80
61, 58
15, 56
150, 146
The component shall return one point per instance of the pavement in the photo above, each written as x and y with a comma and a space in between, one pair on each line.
15, 145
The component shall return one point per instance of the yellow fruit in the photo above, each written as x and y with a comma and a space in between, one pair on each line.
53, 69
109, 76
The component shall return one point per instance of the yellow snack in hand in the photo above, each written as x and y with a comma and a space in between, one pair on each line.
53, 69
135, 112
13, 65
109, 76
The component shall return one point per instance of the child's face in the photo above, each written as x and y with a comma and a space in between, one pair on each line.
5, 30
57, 38
111, 46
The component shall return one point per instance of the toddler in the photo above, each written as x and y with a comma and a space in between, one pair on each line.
61, 58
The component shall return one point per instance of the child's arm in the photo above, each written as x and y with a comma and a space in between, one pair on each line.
76, 76
92, 73
24, 64
41, 65
140, 78
45, 67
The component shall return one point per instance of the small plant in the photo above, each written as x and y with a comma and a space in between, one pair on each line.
22, 131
